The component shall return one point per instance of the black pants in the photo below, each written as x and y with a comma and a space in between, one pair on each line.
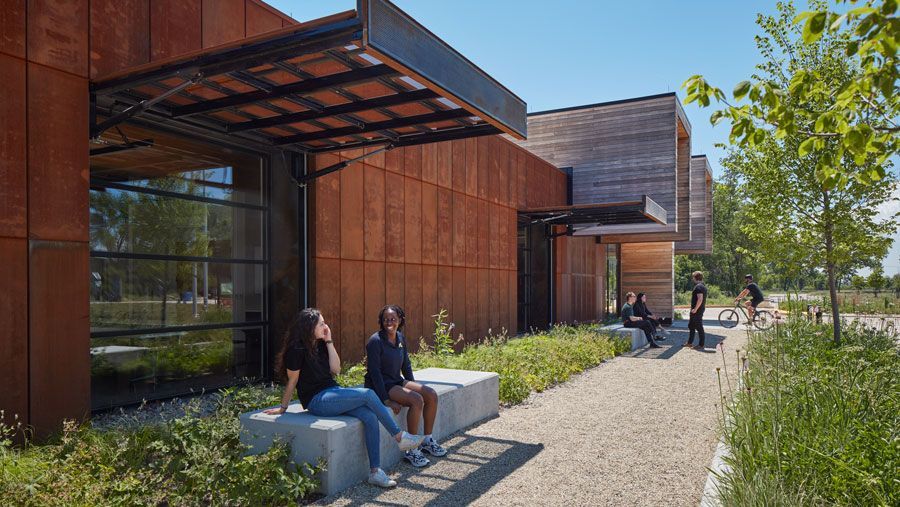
645, 326
696, 324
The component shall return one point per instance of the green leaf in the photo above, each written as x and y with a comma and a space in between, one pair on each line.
741, 90
814, 27
806, 147
836, 25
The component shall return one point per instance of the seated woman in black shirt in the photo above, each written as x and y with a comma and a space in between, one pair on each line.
389, 373
309, 361
641, 310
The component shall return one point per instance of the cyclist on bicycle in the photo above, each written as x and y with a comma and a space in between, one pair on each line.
756, 296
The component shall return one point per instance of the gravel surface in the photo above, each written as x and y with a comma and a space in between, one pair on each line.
638, 430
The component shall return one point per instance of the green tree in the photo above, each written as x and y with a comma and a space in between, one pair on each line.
858, 282
796, 218
876, 280
895, 283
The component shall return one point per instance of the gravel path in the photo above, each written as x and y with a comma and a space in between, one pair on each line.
638, 430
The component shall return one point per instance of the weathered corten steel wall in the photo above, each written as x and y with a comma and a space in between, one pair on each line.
49, 49
424, 227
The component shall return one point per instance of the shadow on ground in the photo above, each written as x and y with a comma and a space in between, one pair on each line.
472, 466
674, 344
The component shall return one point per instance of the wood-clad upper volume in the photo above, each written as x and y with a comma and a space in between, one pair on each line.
701, 209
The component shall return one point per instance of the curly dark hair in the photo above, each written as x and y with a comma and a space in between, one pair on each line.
396, 309
301, 331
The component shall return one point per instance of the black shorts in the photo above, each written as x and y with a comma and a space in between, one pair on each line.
755, 302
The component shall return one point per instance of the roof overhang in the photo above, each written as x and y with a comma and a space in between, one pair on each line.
644, 211
369, 77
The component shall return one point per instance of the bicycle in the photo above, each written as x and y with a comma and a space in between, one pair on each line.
730, 317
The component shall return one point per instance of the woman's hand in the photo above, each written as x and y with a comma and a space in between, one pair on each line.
326, 337
393, 405
275, 411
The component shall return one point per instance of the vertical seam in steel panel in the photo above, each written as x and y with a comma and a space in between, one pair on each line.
27, 241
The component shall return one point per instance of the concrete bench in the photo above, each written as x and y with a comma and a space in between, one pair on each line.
637, 336
464, 398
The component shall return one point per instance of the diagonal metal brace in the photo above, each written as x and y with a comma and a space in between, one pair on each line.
302, 182
142, 106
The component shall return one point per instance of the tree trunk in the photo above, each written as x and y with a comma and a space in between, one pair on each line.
829, 266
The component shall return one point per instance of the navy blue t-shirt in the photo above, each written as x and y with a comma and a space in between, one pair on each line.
387, 365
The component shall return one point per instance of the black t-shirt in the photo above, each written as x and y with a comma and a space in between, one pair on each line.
755, 291
699, 289
315, 375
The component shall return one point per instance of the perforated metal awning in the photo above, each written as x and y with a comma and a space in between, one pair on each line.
645, 211
369, 77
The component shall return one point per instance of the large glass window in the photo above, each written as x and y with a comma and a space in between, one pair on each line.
178, 272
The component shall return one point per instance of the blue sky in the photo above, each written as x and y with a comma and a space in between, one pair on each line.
581, 52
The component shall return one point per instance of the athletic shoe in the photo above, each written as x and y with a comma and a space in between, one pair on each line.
381, 479
408, 441
433, 448
416, 458
659, 337
655, 346
698, 347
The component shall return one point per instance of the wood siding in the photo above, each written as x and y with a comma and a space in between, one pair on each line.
580, 279
701, 209
648, 267
621, 151
426, 227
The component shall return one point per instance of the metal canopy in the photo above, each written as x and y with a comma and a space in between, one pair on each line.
369, 77
619, 213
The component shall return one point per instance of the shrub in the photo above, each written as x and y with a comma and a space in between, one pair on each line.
817, 424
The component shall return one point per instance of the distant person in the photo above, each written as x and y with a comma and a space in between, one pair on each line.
756, 296
698, 306
641, 310
309, 361
629, 319
389, 373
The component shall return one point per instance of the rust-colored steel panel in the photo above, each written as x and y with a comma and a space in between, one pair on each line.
458, 308
531, 184
503, 301
429, 163
513, 244
444, 161
58, 35
373, 203
352, 239
513, 302
503, 179
120, 35
353, 310
393, 161
484, 234
471, 166
13, 211
429, 236
494, 299
445, 227
57, 155
412, 303
326, 295
458, 165
260, 19
522, 180
223, 21
445, 289
493, 235
471, 231
14, 331
59, 333
12, 27
395, 223
175, 28
394, 286
484, 302
374, 296
412, 162
471, 328
484, 166
502, 238
429, 301
412, 238
493, 168
326, 196
376, 160
458, 212
515, 156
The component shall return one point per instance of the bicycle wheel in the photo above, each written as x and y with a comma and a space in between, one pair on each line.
763, 320
729, 318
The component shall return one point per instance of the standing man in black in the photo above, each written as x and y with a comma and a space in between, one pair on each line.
756, 296
698, 306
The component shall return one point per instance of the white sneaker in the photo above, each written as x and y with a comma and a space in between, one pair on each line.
416, 458
381, 479
408, 441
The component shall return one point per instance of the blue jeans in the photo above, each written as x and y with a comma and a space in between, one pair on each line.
362, 404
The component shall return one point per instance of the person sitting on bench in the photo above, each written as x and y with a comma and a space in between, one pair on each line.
641, 310
630, 320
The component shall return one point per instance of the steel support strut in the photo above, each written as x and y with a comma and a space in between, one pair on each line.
141, 106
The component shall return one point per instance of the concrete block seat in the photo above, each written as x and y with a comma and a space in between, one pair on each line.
636, 335
464, 398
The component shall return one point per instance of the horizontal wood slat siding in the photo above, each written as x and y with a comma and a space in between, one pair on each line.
580, 279
648, 267
701, 210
